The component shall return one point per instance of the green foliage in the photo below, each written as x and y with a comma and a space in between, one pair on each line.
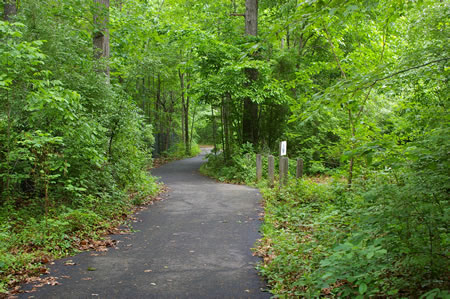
177, 151
240, 169
320, 240
71, 145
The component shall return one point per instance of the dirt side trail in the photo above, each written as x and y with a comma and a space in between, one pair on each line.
194, 244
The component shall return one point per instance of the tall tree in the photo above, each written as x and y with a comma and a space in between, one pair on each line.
101, 32
250, 114
185, 107
251, 17
9, 9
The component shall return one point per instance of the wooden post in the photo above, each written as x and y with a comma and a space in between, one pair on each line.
258, 167
285, 170
282, 170
271, 171
299, 168
282, 153
280, 166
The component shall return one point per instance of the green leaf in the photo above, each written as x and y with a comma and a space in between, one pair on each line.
362, 288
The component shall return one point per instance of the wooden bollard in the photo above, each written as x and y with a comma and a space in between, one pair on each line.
258, 167
299, 168
271, 168
281, 170
285, 170
280, 166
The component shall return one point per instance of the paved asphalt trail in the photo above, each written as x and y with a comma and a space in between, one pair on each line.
194, 244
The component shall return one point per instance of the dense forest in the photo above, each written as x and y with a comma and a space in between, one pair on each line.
91, 90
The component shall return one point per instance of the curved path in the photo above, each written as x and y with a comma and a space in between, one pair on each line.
194, 244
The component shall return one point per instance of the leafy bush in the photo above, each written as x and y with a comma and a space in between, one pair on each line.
178, 150
240, 169
319, 240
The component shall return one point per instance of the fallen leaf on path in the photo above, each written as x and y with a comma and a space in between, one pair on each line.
153, 284
43, 271
147, 271
44, 260
91, 269
69, 263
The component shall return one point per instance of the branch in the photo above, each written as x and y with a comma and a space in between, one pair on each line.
334, 53
385, 33
237, 14
364, 103
401, 72
412, 68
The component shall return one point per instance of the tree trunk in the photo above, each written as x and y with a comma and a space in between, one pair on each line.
119, 4
159, 115
222, 112
9, 9
182, 125
192, 128
214, 129
251, 17
250, 113
226, 118
353, 146
288, 37
185, 105
101, 32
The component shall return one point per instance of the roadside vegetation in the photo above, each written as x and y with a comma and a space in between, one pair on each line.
384, 237
73, 149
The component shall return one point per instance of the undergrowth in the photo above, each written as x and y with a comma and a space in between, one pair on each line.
319, 239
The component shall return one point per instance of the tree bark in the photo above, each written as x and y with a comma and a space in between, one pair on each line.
192, 128
227, 126
250, 113
251, 17
159, 115
185, 105
223, 129
9, 9
214, 129
101, 32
